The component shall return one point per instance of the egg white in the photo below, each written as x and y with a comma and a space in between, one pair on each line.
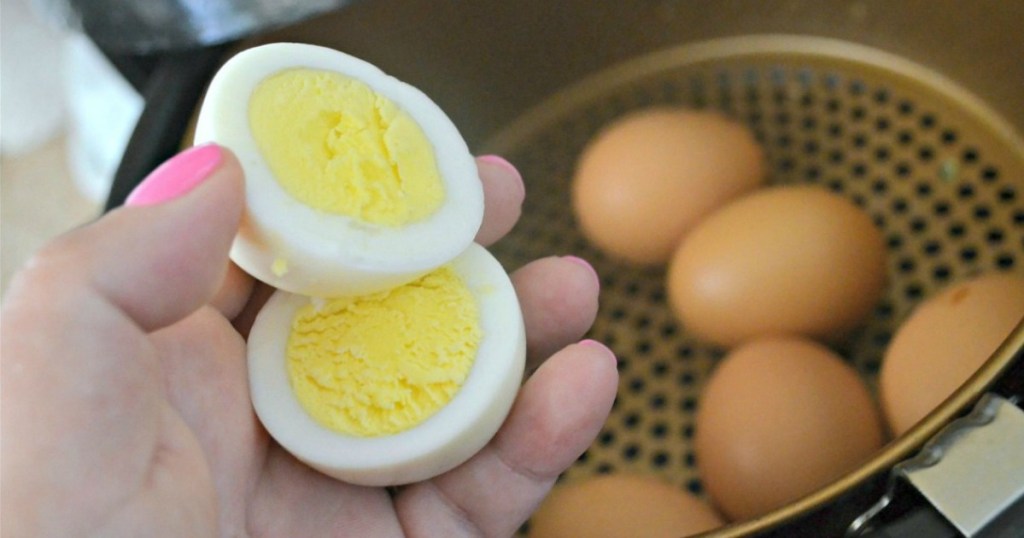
446, 439
325, 254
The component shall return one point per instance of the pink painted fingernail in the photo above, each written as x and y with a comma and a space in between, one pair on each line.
177, 176
500, 162
584, 263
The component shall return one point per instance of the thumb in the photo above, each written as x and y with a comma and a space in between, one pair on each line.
81, 386
163, 255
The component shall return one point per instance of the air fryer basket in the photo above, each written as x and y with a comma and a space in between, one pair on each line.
939, 173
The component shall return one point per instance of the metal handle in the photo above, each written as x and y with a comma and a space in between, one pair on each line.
972, 473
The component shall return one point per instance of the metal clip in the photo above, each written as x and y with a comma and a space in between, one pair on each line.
970, 472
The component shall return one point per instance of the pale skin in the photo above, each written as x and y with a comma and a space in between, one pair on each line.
125, 407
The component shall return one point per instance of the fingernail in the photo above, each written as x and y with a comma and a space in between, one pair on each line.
584, 263
177, 176
598, 345
500, 162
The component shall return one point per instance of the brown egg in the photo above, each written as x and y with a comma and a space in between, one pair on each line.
778, 419
785, 260
621, 506
945, 340
649, 177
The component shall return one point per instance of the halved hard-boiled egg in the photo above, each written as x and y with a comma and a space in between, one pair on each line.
395, 386
355, 181
395, 346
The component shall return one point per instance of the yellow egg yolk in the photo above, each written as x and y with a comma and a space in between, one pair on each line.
337, 146
383, 363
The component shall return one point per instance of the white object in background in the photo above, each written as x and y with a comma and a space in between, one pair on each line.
103, 109
31, 95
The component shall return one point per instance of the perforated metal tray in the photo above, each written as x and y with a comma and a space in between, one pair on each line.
940, 174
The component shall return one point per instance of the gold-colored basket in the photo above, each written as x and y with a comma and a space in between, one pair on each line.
939, 173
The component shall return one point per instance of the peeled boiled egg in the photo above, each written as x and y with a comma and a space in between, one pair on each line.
392, 387
355, 181
779, 418
621, 506
945, 340
651, 176
785, 260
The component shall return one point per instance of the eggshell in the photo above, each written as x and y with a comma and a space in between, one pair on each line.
621, 506
649, 177
944, 341
294, 247
446, 439
778, 419
785, 260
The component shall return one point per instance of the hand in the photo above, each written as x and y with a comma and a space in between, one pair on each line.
126, 408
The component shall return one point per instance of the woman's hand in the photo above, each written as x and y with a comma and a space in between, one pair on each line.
125, 401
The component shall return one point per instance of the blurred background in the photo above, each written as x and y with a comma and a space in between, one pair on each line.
46, 189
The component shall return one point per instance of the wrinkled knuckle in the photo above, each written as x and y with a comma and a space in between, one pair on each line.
52, 271
59, 253
42, 271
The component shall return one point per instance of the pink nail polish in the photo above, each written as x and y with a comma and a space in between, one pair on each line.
584, 263
177, 176
500, 162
